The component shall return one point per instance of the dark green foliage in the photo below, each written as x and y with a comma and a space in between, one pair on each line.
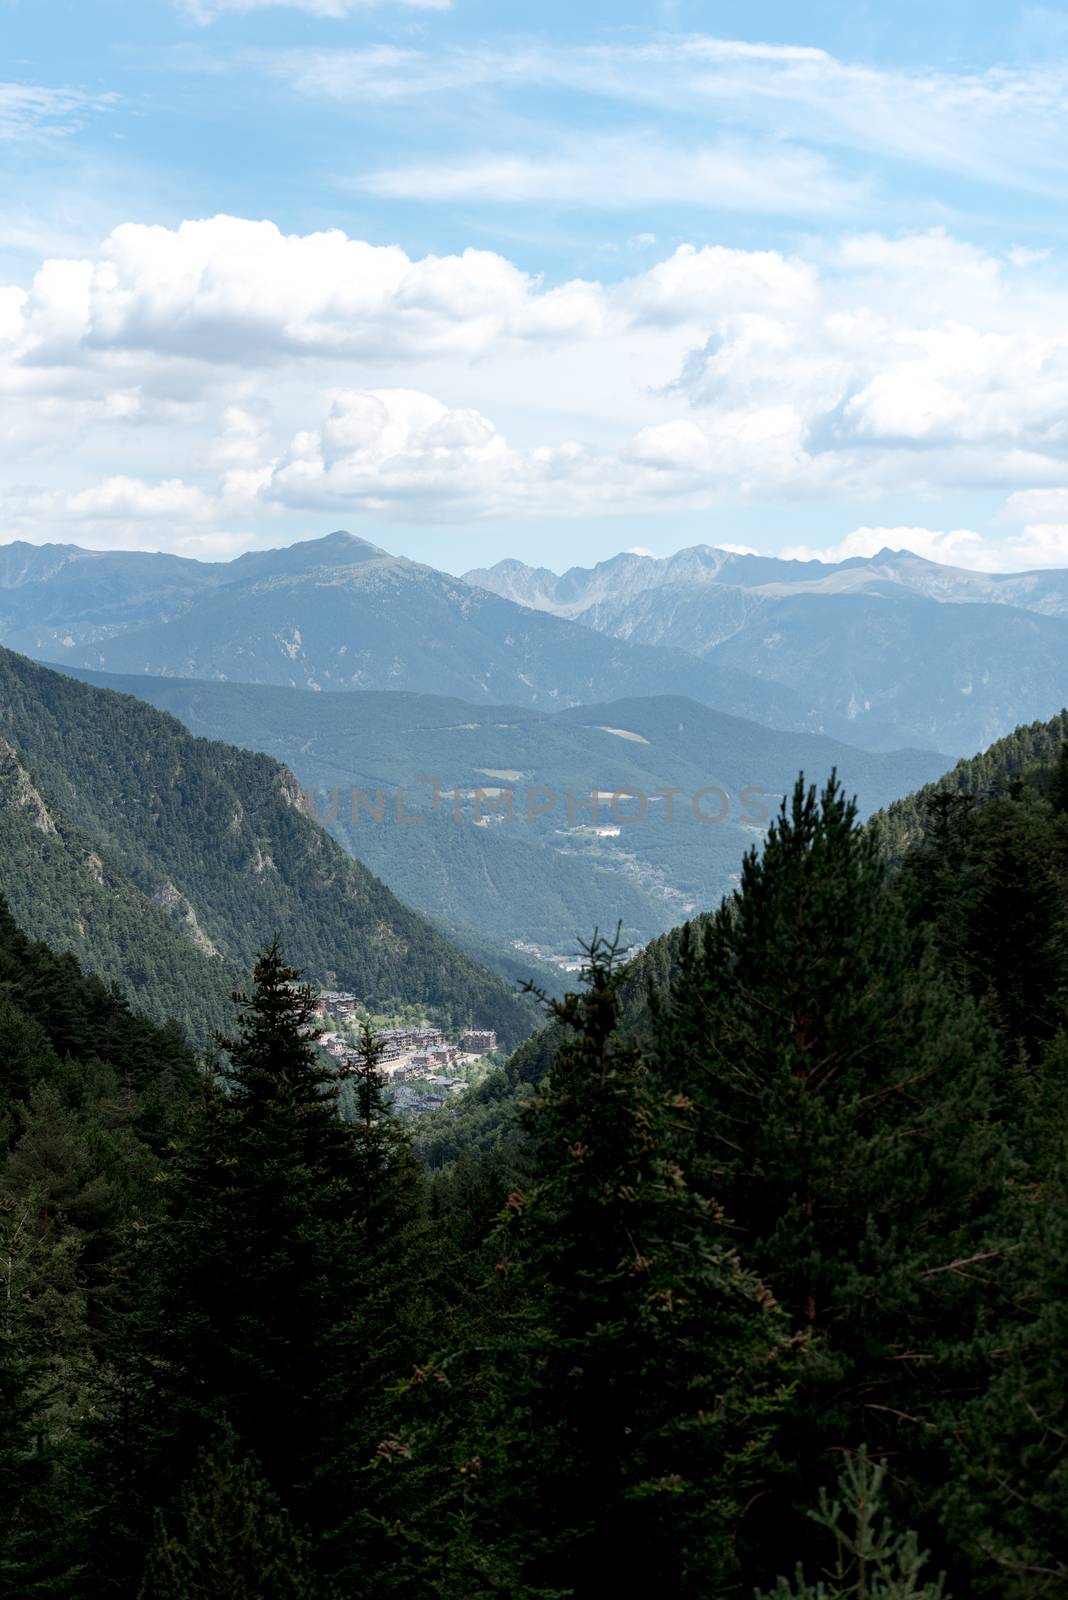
1006, 1497
162, 860
258, 1252
846, 1098
29, 1501
284, 1269
753, 1257
629, 1367
651, 1360
1036, 745
75, 1014
89, 1091
228, 1537
989, 880
866, 1559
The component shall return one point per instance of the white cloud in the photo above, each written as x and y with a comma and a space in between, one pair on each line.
263, 370
630, 170
118, 499
29, 111
378, 447
130, 499
672, 444
227, 289
1040, 544
126, 513
205, 11
1036, 505
1035, 547
1002, 125
400, 452
959, 547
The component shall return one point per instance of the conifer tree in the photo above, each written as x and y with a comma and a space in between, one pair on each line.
635, 1362
258, 1274
282, 1274
396, 1301
866, 1559
846, 1097
228, 1537
36, 1526
1005, 1495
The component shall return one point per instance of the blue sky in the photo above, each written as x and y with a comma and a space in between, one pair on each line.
479, 280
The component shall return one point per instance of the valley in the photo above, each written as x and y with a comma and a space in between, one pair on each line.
526, 828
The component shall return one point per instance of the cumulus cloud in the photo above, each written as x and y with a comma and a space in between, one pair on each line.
959, 547
399, 452
117, 499
1036, 505
263, 370
126, 513
227, 289
1035, 547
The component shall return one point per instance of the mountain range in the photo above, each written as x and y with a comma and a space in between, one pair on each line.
339, 614
882, 652
357, 668
886, 650
553, 870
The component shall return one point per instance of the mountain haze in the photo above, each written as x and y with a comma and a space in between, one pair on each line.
340, 614
898, 573
545, 878
893, 649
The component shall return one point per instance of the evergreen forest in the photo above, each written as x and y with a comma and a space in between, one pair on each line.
746, 1277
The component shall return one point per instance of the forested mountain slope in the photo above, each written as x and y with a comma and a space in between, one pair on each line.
837, 1017
1033, 746
166, 860
775, 1255
1006, 789
551, 869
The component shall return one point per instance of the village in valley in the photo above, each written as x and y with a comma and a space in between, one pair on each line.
420, 1068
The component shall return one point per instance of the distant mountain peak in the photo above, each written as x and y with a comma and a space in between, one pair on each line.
333, 549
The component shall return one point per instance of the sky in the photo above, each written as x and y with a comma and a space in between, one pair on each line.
479, 280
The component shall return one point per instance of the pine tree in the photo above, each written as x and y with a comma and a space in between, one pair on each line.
846, 1098
623, 1402
257, 1268
36, 1525
281, 1294
366, 1077
228, 1538
868, 1559
399, 1295
1006, 1487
